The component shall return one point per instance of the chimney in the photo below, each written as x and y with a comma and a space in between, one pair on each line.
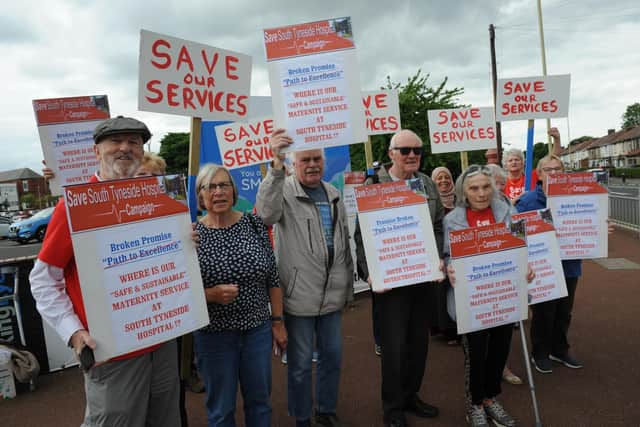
610, 131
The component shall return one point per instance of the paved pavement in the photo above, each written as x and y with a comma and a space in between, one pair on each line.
604, 334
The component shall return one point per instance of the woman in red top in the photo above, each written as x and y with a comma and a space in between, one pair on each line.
513, 163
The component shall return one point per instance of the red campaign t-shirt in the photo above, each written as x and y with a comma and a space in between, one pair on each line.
514, 187
480, 218
57, 250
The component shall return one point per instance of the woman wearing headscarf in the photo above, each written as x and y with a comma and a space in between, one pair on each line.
442, 322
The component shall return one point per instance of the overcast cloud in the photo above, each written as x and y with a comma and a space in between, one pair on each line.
73, 48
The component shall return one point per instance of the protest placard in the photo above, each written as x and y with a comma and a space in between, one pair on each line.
137, 262
191, 79
382, 111
462, 129
245, 144
526, 98
544, 257
397, 234
351, 181
580, 207
66, 126
490, 265
315, 83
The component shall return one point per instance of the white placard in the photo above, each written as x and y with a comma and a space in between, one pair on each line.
381, 111
192, 79
462, 129
526, 98
397, 234
137, 263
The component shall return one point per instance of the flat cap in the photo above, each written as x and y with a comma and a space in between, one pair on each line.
119, 125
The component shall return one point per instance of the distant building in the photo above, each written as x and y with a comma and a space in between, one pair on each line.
26, 181
616, 149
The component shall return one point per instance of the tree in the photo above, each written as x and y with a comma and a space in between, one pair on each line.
631, 117
27, 200
580, 140
174, 149
540, 149
416, 97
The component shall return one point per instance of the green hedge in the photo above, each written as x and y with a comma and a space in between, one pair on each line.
629, 172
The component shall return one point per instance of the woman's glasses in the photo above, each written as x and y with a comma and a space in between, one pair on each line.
222, 186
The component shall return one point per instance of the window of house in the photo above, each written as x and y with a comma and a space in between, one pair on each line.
25, 185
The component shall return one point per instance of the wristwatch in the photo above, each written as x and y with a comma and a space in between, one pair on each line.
277, 318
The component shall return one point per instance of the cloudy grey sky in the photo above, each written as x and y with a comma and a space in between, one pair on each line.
82, 47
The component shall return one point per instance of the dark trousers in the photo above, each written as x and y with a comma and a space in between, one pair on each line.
485, 355
375, 321
550, 323
404, 336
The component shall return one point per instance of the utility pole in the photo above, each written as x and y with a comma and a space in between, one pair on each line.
544, 62
494, 78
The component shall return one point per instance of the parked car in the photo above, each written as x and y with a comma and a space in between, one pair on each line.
19, 216
5, 223
33, 227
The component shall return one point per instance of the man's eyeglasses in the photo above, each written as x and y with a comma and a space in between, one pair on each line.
406, 150
549, 170
212, 187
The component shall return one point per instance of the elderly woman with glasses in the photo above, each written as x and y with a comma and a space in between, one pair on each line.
240, 276
485, 351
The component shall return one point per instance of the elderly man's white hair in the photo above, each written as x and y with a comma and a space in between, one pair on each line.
400, 134
291, 155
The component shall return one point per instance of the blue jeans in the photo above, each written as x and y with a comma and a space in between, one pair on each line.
224, 358
328, 332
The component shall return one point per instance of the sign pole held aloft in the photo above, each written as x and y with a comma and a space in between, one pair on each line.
529, 157
544, 63
194, 165
464, 160
368, 153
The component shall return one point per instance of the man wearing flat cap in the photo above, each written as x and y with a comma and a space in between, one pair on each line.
136, 389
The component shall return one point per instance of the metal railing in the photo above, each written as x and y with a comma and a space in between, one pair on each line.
624, 211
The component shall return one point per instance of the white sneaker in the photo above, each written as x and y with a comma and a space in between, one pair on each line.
476, 417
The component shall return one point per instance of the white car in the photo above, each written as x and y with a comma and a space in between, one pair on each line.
4, 227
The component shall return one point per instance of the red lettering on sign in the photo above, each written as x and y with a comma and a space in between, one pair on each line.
162, 55
537, 86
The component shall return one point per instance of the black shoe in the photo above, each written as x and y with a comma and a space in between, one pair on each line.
542, 365
328, 420
396, 420
566, 360
421, 409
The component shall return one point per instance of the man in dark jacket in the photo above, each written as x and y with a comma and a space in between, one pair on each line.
404, 312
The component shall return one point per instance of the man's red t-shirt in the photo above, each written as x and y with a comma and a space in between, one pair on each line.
57, 250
